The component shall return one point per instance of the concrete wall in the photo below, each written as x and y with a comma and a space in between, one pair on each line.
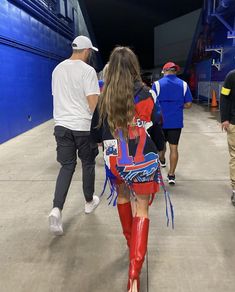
173, 40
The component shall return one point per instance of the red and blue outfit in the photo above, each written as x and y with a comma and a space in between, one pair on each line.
135, 161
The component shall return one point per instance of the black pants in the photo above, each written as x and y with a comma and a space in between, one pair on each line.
157, 136
71, 144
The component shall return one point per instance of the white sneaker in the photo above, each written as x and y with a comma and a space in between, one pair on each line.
162, 163
55, 222
90, 206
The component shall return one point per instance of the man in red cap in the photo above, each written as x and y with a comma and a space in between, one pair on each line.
173, 95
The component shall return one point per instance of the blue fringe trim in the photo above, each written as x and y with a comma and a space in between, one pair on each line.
110, 179
112, 198
167, 200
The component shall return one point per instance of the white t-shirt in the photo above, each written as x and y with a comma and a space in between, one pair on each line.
72, 82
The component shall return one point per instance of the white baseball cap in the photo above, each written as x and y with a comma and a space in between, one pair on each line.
82, 42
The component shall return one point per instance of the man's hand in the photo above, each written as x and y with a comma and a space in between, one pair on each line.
187, 105
225, 125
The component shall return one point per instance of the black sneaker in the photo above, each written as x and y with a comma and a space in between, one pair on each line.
163, 163
233, 198
171, 179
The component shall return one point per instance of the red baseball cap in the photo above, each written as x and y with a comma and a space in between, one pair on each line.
171, 65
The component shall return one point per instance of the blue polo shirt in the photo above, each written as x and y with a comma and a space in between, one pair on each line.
172, 93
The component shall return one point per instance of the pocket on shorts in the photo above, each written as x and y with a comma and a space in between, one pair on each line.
231, 128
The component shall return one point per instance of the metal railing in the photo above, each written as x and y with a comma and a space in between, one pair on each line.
205, 89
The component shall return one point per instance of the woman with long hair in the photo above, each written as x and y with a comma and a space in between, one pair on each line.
124, 113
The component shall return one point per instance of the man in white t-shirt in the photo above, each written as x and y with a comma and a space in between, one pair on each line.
75, 93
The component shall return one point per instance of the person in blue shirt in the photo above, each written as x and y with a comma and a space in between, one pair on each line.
173, 95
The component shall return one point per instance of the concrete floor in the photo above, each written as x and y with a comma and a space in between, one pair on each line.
198, 256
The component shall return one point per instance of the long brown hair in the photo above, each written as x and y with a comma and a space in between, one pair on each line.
117, 99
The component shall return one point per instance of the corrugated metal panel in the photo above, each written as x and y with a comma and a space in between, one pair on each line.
50, 4
33, 40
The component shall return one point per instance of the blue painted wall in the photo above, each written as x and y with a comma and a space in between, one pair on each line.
35, 35
212, 33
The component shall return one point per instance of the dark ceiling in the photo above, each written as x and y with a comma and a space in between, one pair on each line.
132, 22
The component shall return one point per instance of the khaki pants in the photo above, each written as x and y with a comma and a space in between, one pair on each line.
231, 147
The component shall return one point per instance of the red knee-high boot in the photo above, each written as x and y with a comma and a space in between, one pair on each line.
138, 248
125, 215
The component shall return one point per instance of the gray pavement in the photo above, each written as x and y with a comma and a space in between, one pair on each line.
198, 256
